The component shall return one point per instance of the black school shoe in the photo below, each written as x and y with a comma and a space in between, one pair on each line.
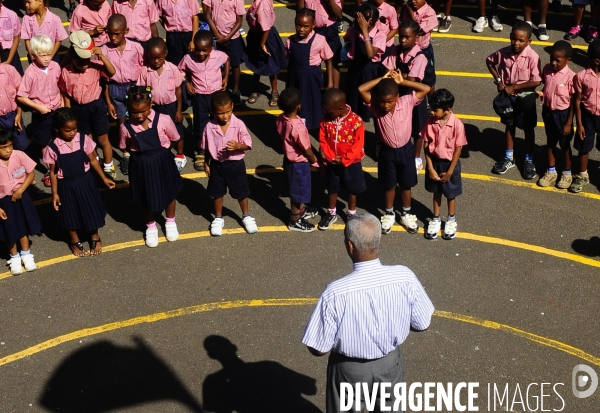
124, 165
327, 221
310, 212
301, 226
502, 166
529, 170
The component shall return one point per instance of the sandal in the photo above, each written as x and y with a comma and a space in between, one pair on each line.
199, 162
274, 99
252, 98
46, 180
94, 244
80, 247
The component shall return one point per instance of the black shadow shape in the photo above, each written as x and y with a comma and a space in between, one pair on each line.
589, 248
267, 188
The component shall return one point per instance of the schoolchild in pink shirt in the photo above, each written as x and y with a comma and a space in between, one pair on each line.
165, 80
79, 84
387, 23
396, 163
444, 137
181, 22
18, 216
557, 112
226, 140
141, 16
297, 160
10, 36
224, 17
40, 20
516, 71
92, 16
202, 69
10, 112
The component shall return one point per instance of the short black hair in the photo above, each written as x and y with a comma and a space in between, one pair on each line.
220, 98
410, 24
62, 116
156, 43
5, 137
594, 50
203, 36
521, 26
289, 100
117, 21
369, 12
563, 47
441, 99
306, 12
332, 96
137, 94
386, 87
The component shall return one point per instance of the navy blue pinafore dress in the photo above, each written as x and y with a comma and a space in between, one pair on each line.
153, 176
81, 207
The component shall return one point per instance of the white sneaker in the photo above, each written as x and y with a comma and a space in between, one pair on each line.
433, 229
250, 225
387, 222
450, 230
496, 25
216, 227
410, 223
480, 24
15, 266
28, 262
171, 232
180, 163
151, 237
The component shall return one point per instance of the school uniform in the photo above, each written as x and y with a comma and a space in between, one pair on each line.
388, 12
558, 89
10, 80
177, 21
344, 137
261, 18
139, 18
153, 176
85, 94
22, 218
326, 25
304, 73
588, 84
224, 14
227, 168
442, 142
41, 86
51, 26
81, 207
427, 19
10, 27
86, 18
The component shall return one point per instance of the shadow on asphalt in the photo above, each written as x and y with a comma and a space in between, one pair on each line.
589, 248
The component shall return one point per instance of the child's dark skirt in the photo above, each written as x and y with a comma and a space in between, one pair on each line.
260, 63
22, 219
81, 207
235, 49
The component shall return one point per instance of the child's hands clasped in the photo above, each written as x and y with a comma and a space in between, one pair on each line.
396, 75
363, 24
234, 146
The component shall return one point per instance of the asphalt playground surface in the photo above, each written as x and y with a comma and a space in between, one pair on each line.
146, 330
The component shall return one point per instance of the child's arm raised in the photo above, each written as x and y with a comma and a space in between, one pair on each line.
421, 89
109, 69
370, 50
365, 89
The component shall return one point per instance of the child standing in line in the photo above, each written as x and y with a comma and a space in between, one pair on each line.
306, 50
516, 71
141, 17
75, 195
10, 112
10, 36
203, 72
92, 16
577, 30
226, 140
297, 159
396, 158
18, 217
387, 23
154, 181
444, 136
40, 20
181, 22
265, 52
557, 112
342, 142
128, 59
79, 83
225, 19
165, 80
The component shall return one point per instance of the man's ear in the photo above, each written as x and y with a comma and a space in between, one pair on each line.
349, 247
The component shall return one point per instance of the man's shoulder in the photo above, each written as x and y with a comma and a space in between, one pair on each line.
373, 277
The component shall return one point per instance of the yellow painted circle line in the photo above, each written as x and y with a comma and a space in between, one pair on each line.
280, 302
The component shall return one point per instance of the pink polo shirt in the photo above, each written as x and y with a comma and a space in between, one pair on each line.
417, 66
10, 26
81, 87
41, 86
391, 16
558, 87
588, 83
206, 76
167, 132
295, 138
514, 70
164, 85
127, 64
323, 15
51, 26
63, 147
357, 40
13, 175
10, 80
395, 127
427, 19
261, 15
138, 17
443, 140
215, 142
319, 50
224, 14
85, 18
177, 15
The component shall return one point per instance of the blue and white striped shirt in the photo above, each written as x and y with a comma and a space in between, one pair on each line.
369, 312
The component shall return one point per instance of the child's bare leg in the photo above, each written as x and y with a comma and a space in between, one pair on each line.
510, 136
295, 211
437, 204
24, 243
12, 250
148, 216
406, 195
583, 162
567, 154
179, 146
244, 206
578, 13
451, 205
73, 240
390, 196
107, 152
255, 83
95, 237
273, 80
550, 150
335, 75
170, 210
332, 200
218, 203
351, 202
236, 78
448, 7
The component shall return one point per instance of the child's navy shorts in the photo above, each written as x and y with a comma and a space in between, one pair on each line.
523, 118
7, 122
91, 117
450, 189
228, 174
591, 125
177, 45
200, 109
41, 128
351, 177
118, 93
298, 179
170, 109
554, 121
235, 50
397, 166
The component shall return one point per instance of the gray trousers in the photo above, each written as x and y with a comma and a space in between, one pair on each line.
340, 369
